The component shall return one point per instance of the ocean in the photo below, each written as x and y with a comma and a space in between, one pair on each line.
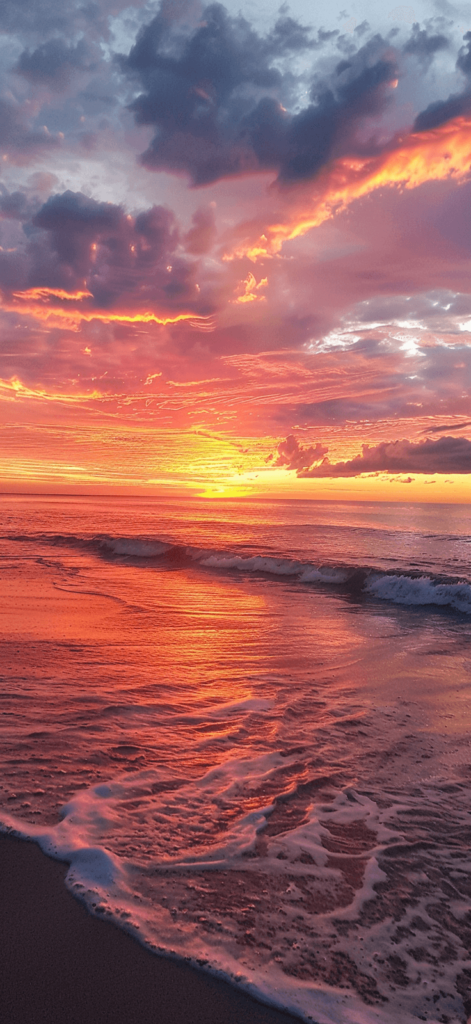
246, 726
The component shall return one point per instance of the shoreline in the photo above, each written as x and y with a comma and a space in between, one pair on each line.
60, 965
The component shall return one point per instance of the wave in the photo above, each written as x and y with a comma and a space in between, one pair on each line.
398, 586
280, 879
421, 590
184, 899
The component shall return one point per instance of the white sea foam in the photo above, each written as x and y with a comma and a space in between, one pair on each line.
420, 591
324, 574
148, 899
254, 563
252, 896
405, 588
277, 567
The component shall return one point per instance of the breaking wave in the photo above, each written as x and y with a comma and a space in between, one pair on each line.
398, 586
422, 590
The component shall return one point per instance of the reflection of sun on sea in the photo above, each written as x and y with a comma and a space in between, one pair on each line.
197, 633
226, 491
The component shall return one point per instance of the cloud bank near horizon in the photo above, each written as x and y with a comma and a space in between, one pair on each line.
448, 455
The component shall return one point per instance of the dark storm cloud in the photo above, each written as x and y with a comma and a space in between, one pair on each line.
464, 56
17, 205
74, 242
217, 96
74, 223
288, 36
117, 255
447, 455
425, 46
316, 132
441, 111
54, 63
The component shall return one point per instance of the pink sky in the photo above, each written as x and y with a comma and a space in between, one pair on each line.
235, 255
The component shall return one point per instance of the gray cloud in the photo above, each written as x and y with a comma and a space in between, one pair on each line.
202, 233
54, 63
447, 455
425, 46
218, 99
73, 239
443, 429
293, 456
439, 112
19, 140
18, 205
40, 18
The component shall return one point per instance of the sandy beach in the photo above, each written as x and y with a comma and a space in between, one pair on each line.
62, 966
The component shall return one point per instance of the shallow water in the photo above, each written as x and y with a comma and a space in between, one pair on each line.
247, 728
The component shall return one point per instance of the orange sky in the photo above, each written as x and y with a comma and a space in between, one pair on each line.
173, 310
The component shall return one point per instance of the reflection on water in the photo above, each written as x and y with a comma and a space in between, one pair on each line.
268, 777
176, 668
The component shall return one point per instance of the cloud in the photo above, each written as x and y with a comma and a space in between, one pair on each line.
202, 234
229, 100
348, 408
17, 205
83, 257
441, 111
249, 290
425, 46
43, 17
218, 98
406, 163
327, 126
20, 142
442, 429
54, 63
293, 456
447, 455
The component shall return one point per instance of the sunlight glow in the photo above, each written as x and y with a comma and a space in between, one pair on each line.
434, 155
24, 302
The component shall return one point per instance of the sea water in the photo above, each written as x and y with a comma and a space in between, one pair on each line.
246, 726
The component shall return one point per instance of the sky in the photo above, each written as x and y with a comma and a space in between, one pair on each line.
235, 249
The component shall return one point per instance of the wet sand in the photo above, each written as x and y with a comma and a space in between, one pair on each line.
59, 965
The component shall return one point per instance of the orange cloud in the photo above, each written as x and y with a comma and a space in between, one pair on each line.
14, 388
36, 302
434, 155
45, 293
251, 288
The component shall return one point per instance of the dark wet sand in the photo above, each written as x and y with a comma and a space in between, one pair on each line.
59, 965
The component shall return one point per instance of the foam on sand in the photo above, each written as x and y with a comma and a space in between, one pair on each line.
292, 899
